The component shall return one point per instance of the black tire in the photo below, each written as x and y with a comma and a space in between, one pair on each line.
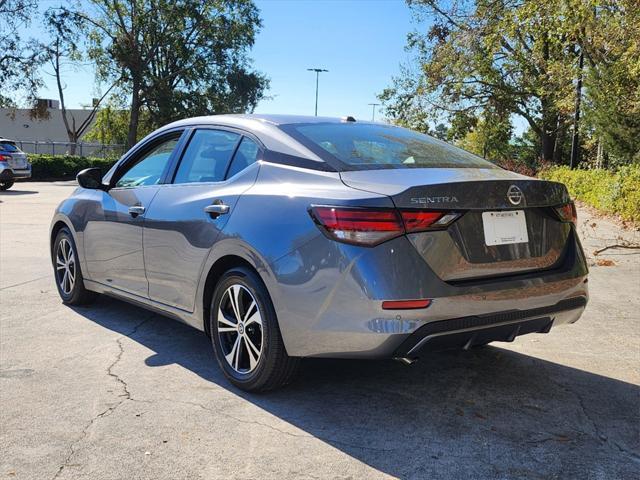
5, 185
273, 368
71, 290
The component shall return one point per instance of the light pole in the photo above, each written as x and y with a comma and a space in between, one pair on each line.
373, 111
318, 72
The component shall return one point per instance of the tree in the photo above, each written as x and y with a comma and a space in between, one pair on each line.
490, 137
441, 131
514, 54
612, 81
112, 124
174, 58
19, 58
62, 50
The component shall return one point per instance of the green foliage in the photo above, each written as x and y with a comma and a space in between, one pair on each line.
64, 167
508, 56
175, 58
613, 84
616, 192
404, 106
522, 58
112, 126
525, 149
490, 136
19, 58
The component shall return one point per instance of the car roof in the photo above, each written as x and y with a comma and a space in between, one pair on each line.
263, 126
7, 140
243, 119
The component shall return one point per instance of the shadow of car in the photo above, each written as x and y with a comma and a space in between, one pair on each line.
484, 413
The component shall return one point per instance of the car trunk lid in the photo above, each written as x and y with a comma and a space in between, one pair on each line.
461, 252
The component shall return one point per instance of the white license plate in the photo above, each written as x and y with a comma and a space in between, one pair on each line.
504, 228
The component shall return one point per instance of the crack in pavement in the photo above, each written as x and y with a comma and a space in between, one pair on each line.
279, 430
603, 439
105, 413
26, 281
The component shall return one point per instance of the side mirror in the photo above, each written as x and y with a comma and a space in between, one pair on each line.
91, 178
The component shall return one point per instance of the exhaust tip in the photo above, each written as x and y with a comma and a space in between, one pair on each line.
405, 360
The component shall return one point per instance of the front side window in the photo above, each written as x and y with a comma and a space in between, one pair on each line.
207, 156
371, 146
150, 166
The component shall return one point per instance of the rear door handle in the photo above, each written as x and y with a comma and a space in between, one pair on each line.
136, 210
217, 209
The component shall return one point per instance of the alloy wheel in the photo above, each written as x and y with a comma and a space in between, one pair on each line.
240, 330
65, 266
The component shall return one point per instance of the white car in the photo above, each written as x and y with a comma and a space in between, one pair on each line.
13, 164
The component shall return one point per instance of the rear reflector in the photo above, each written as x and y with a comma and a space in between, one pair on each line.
367, 226
405, 304
567, 212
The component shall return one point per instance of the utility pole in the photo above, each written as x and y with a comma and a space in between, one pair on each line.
373, 111
318, 72
575, 144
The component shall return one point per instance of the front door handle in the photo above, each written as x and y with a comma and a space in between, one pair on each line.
216, 209
136, 210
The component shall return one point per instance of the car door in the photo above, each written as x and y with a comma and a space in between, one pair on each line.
113, 232
186, 216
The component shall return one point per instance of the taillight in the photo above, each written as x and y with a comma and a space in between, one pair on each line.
420, 220
359, 225
5, 158
567, 212
371, 226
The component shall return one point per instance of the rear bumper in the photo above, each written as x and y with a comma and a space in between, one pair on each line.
14, 174
328, 299
467, 332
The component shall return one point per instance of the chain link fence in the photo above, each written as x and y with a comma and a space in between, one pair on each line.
81, 149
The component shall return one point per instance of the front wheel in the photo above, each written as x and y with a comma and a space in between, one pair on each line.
5, 185
245, 334
67, 271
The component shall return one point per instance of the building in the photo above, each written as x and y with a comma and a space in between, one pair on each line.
43, 135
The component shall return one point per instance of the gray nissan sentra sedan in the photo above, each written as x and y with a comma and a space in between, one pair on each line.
285, 237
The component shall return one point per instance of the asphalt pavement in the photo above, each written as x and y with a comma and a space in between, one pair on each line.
112, 391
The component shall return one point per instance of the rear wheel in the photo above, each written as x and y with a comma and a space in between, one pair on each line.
245, 334
5, 185
67, 271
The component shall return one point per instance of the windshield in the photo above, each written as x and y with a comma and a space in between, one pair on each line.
375, 146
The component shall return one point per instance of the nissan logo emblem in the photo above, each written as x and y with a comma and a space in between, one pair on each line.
515, 195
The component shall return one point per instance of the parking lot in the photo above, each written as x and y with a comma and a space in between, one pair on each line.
112, 391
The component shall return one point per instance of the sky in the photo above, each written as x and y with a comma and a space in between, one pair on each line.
360, 42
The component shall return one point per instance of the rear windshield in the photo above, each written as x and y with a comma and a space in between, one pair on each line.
8, 147
372, 146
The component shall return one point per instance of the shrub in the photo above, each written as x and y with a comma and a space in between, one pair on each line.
517, 167
616, 192
64, 167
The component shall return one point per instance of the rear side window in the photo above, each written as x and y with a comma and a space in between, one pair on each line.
246, 154
8, 147
369, 146
207, 156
